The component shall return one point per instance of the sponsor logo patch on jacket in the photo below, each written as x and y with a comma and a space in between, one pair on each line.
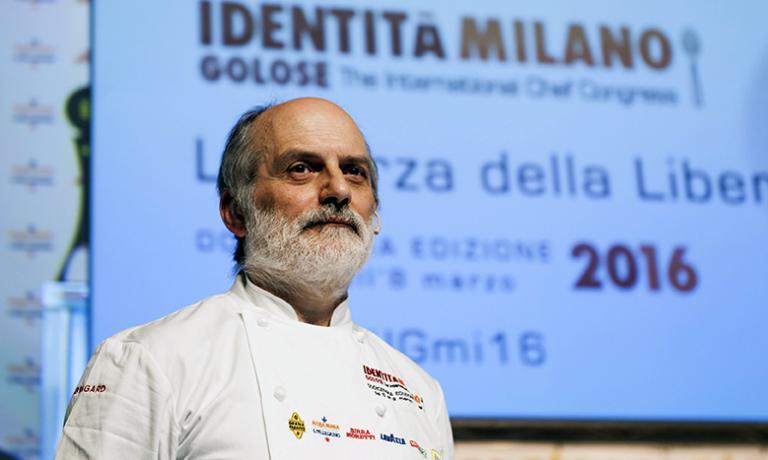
325, 429
296, 425
392, 438
101, 388
360, 433
390, 386
416, 445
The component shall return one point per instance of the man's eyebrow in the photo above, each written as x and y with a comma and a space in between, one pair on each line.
290, 156
356, 160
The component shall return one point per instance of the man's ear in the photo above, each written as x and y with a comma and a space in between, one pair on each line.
231, 214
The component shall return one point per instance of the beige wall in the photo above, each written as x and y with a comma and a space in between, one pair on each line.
540, 451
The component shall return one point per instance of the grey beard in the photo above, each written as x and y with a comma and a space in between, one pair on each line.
285, 255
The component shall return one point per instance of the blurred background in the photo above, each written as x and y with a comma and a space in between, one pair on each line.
574, 202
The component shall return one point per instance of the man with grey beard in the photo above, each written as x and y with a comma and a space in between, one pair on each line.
274, 368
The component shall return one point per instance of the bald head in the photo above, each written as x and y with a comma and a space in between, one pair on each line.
307, 112
304, 124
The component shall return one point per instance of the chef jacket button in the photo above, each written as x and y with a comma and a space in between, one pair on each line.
262, 322
359, 335
381, 410
279, 393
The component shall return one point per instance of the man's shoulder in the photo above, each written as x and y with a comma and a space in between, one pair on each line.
184, 329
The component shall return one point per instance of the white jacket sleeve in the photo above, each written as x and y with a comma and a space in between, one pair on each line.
444, 422
123, 408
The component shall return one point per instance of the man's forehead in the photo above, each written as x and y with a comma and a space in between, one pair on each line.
314, 125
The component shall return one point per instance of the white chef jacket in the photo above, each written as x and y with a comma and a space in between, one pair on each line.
238, 376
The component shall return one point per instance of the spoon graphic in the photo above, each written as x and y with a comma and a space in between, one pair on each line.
692, 47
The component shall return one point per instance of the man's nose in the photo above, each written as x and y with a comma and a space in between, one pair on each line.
335, 189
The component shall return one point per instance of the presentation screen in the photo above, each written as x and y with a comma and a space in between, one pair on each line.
574, 196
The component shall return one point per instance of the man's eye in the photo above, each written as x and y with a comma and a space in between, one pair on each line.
299, 168
356, 170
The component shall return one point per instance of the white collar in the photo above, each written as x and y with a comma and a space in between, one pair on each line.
279, 308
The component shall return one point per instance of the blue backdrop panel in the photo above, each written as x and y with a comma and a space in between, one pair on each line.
574, 198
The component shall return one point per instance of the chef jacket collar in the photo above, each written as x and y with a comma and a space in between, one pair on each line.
279, 308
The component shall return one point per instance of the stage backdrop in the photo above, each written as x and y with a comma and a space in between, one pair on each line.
44, 79
574, 197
